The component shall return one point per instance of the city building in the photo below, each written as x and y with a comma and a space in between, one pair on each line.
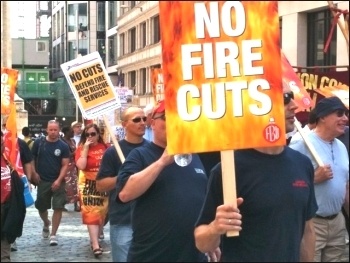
127, 36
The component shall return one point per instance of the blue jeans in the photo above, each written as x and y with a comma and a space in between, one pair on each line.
120, 236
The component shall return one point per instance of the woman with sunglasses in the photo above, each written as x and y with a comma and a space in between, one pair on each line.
94, 204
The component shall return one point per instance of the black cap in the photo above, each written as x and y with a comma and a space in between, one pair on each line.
327, 106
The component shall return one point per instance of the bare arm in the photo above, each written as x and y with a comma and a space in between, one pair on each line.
82, 161
227, 218
28, 170
64, 167
35, 179
307, 246
138, 183
106, 184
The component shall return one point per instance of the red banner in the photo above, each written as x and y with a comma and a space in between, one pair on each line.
321, 84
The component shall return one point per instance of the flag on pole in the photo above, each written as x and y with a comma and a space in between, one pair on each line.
8, 107
290, 78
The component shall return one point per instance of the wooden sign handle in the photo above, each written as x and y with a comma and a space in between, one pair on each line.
115, 142
308, 143
229, 182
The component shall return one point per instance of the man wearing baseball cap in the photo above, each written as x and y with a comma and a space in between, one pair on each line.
167, 199
331, 180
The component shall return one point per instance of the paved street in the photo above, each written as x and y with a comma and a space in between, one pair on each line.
73, 240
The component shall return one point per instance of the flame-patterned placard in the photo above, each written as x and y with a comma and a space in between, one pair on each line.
157, 84
291, 79
222, 75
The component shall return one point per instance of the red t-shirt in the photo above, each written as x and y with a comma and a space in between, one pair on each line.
94, 158
5, 181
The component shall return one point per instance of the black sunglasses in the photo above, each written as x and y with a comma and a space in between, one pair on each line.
287, 97
160, 117
92, 134
138, 119
341, 113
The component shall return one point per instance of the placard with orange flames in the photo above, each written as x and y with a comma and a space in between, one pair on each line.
222, 75
157, 84
9, 79
291, 79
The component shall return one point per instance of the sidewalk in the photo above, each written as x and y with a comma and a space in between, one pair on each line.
73, 240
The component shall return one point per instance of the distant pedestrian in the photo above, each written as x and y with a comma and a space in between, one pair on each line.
77, 128
148, 131
27, 137
72, 171
51, 160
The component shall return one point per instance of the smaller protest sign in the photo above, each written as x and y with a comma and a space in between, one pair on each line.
91, 85
125, 94
157, 84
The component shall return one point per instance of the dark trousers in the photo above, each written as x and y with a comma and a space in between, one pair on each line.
346, 219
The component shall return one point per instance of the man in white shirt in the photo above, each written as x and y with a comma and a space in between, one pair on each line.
307, 128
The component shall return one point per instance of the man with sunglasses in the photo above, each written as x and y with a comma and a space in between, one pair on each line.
167, 199
331, 180
133, 122
276, 204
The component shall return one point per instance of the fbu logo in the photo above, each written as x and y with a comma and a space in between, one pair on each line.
272, 132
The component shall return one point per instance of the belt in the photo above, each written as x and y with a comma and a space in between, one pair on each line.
327, 217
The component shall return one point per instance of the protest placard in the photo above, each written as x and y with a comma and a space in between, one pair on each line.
91, 85
222, 79
93, 89
157, 84
222, 75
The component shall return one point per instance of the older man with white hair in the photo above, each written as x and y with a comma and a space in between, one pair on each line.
148, 132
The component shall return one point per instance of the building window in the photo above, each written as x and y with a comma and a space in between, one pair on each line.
113, 50
156, 29
72, 24
101, 16
122, 44
143, 34
132, 39
143, 79
112, 14
132, 79
54, 26
102, 49
318, 27
41, 46
62, 21
72, 50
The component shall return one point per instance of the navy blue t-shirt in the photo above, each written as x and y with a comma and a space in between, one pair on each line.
119, 213
163, 217
48, 157
278, 197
